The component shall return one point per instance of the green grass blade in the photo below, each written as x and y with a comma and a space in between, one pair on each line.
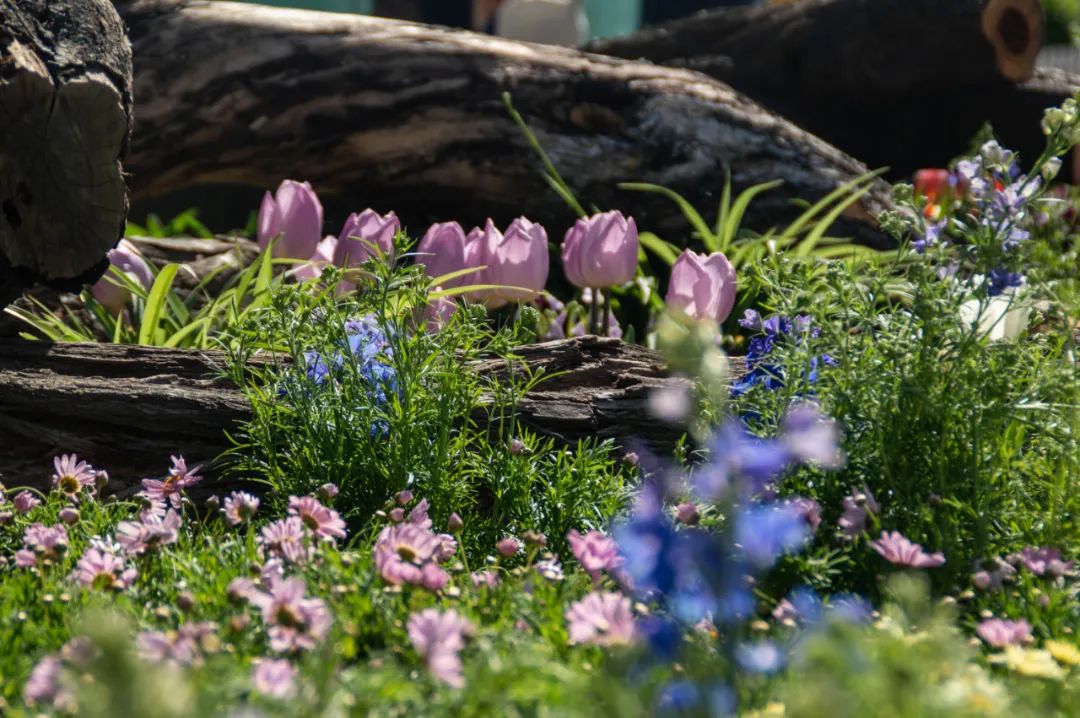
155, 301
692, 216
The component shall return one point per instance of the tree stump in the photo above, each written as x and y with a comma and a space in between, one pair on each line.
65, 121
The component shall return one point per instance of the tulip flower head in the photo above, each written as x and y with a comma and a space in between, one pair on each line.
702, 287
601, 251
442, 252
518, 262
126, 259
294, 217
364, 236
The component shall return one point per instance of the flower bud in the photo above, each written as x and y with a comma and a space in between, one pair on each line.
404, 497
981, 580
101, 480
185, 601
454, 523
213, 503
534, 538
327, 492
69, 515
126, 259
397, 515
601, 251
364, 236
631, 458
508, 546
687, 513
702, 287
294, 217
517, 447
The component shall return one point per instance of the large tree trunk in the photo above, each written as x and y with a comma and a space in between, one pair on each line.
897, 83
65, 119
127, 408
409, 117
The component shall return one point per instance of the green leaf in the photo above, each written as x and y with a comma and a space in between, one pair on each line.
730, 229
664, 250
692, 216
148, 329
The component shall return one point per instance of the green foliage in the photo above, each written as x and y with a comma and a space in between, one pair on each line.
431, 434
164, 316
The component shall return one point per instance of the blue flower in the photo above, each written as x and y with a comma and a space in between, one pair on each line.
678, 697
759, 657
1002, 279
767, 531
762, 372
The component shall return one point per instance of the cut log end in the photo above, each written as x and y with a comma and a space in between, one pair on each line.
65, 103
1015, 29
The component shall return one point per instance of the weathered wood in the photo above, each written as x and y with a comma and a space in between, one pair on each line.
127, 408
65, 120
903, 84
409, 117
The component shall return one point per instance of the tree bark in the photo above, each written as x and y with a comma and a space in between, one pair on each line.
127, 408
409, 117
903, 84
65, 120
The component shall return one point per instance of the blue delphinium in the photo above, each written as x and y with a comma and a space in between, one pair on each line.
368, 350
762, 369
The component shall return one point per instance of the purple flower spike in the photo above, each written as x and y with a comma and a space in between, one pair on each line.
899, 551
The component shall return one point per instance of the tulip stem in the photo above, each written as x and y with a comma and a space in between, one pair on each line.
606, 326
594, 313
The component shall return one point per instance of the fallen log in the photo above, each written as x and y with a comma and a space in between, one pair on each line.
127, 408
409, 117
903, 84
65, 119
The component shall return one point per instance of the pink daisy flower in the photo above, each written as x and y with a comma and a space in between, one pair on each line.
103, 570
322, 521
42, 543
595, 551
508, 546
44, 685
71, 476
275, 678
285, 539
402, 550
484, 578
899, 551
858, 507
419, 515
170, 490
184, 646
1044, 561
999, 633
439, 637
240, 507
150, 533
602, 619
25, 502
296, 623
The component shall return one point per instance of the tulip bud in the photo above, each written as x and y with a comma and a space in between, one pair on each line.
601, 251
519, 260
364, 236
294, 217
125, 258
442, 251
702, 287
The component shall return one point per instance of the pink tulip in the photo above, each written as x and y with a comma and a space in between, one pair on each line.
601, 251
125, 258
438, 312
313, 268
703, 287
293, 216
519, 260
442, 251
364, 236
479, 251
